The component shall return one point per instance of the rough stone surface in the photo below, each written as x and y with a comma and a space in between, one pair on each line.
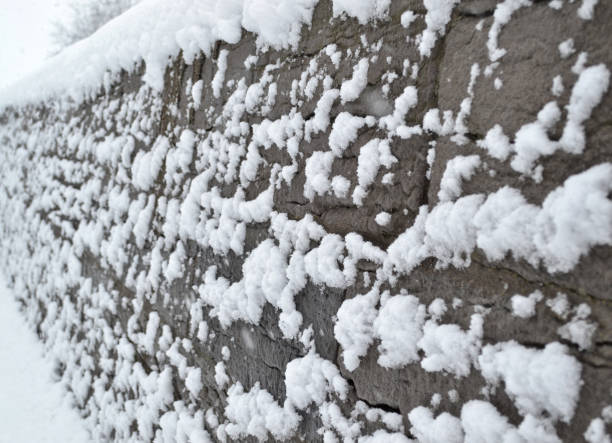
258, 352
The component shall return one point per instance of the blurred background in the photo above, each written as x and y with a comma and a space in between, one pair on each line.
33, 30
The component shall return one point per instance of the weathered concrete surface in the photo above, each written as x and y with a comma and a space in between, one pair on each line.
259, 353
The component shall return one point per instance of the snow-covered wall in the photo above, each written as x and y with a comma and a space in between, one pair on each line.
333, 220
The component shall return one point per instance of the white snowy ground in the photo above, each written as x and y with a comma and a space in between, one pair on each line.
33, 409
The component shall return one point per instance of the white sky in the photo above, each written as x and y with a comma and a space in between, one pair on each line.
24, 36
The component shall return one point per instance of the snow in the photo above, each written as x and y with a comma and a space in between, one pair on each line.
448, 348
448, 234
559, 305
538, 381
221, 377
569, 211
433, 123
506, 223
321, 118
596, 432
344, 132
354, 327
407, 18
351, 89
219, 78
244, 300
580, 63
525, 307
437, 16
333, 418
321, 263
318, 169
557, 86
465, 109
399, 327
155, 31
382, 436
586, 94
308, 379
388, 178
407, 100
382, 218
33, 406
174, 270
501, 17
362, 10
225, 353
496, 143
566, 48
579, 330
148, 339
372, 156
587, 9
276, 23
340, 186
476, 412
147, 166
532, 141
445, 428
436, 309
196, 93
435, 400
255, 413
193, 382
311, 379
458, 168
483, 423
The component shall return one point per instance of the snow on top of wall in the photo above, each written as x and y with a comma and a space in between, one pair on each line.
363, 10
155, 31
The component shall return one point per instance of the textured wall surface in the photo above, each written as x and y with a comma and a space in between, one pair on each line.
364, 237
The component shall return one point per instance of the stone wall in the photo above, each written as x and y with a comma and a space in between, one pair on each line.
172, 249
